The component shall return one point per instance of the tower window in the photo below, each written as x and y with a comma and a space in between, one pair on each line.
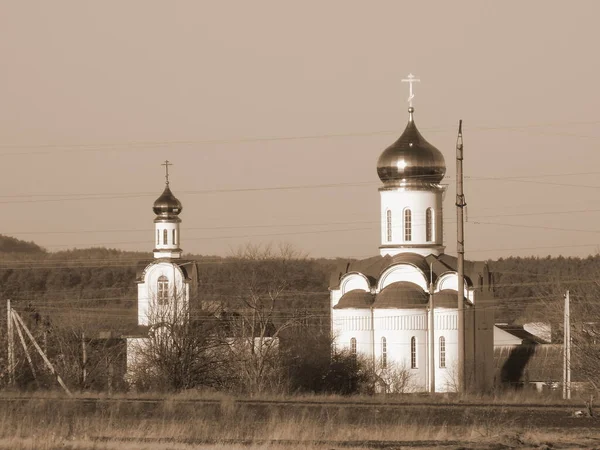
353, 347
407, 225
157, 237
429, 224
174, 240
383, 353
413, 352
165, 237
442, 352
389, 225
163, 290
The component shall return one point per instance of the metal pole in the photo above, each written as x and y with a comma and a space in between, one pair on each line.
460, 250
568, 343
431, 333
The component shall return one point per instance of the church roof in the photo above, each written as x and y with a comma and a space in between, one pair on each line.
373, 267
402, 295
411, 161
447, 298
355, 299
188, 267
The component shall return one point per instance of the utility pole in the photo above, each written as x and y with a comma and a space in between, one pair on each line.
460, 250
431, 333
11, 344
567, 350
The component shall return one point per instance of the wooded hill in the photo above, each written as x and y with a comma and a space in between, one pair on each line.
103, 281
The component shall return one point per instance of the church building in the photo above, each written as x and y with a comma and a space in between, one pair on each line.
399, 309
167, 285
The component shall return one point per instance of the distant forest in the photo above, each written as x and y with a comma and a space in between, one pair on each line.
103, 281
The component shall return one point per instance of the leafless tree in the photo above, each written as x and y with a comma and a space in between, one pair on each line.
183, 348
263, 278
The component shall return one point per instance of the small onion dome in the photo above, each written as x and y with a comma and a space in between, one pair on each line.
167, 204
355, 298
447, 298
402, 295
411, 161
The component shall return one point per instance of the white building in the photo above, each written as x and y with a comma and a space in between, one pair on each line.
399, 309
167, 285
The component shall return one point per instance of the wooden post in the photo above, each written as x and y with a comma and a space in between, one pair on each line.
42, 354
24, 344
110, 375
11, 344
83, 361
568, 343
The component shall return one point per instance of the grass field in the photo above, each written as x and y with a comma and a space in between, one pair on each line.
217, 422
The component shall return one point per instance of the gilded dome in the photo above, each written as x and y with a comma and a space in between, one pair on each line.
411, 161
167, 205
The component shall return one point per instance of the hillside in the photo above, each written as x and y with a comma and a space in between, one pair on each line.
103, 280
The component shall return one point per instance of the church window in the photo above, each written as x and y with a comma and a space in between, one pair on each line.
429, 224
442, 352
165, 236
353, 347
174, 240
163, 290
389, 225
413, 352
383, 353
407, 225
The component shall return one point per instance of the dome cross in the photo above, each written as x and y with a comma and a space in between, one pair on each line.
167, 164
410, 80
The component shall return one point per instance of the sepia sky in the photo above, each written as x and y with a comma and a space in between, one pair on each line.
274, 114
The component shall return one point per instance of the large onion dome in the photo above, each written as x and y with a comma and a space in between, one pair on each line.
411, 161
167, 205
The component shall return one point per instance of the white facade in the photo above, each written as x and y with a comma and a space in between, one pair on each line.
412, 220
166, 238
400, 309
399, 338
163, 290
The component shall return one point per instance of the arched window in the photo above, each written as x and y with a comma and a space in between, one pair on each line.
383, 353
429, 224
163, 290
389, 225
157, 237
353, 347
165, 236
174, 240
442, 352
407, 225
413, 352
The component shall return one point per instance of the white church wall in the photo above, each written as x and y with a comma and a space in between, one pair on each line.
402, 272
450, 281
446, 326
354, 281
352, 323
147, 290
398, 327
418, 201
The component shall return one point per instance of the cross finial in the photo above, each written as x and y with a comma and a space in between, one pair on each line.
410, 80
166, 164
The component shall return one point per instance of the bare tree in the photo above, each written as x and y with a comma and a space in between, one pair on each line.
183, 348
263, 279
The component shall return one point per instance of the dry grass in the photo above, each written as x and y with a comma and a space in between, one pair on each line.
48, 424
